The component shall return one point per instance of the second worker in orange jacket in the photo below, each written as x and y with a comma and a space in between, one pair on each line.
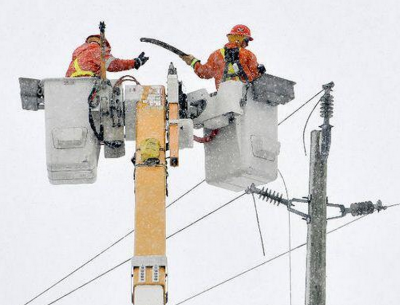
232, 62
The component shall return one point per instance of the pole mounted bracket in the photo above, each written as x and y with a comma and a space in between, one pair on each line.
357, 209
277, 198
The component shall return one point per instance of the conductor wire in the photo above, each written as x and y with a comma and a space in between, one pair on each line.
258, 224
290, 239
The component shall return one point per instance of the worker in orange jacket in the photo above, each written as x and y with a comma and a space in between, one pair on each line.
232, 62
86, 59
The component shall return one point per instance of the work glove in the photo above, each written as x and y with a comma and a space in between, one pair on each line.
261, 69
187, 59
140, 60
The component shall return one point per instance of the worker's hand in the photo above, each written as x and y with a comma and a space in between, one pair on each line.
261, 69
187, 59
140, 60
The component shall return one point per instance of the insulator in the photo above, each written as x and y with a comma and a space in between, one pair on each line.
327, 106
362, 208
272, 196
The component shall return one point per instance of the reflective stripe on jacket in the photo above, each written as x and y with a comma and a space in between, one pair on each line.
231, 70
79, 72
86, 61
215, 65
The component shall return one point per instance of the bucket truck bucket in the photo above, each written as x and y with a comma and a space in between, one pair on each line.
72, 149
246, 150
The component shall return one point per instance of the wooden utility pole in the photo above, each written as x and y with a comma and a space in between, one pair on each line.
316, 235
317, 206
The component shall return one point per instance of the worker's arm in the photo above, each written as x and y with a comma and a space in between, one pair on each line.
252, 64
203, 71
115, 64
209, 69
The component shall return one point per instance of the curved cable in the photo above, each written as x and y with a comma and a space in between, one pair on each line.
305, 126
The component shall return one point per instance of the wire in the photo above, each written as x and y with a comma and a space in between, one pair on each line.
219, 284
258, 224
90, 281
103, 251
305, 126
124, 262
205, 216
299, 108
81, 266
184, 194
261, 264
290, 239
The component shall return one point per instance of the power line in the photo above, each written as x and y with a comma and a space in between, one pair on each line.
219, 284
103, 251
81, 266
300, 107
208, 214
90, 281
184, 194
264, 263
124, 262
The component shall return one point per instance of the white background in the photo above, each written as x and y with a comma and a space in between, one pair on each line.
46, 231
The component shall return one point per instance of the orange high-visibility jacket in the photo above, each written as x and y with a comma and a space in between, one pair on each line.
215, 65
86, 61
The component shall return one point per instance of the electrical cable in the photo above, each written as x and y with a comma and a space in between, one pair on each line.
305, 126
261, 264
219, 284
290, 238
81, 266
258, 224
184, 194
125, 78
208, 214
300, 107
90, 281
124, 262
103, 251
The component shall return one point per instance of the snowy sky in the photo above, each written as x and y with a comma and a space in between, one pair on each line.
45, 230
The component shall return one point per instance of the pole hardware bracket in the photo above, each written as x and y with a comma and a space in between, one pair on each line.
357, 208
